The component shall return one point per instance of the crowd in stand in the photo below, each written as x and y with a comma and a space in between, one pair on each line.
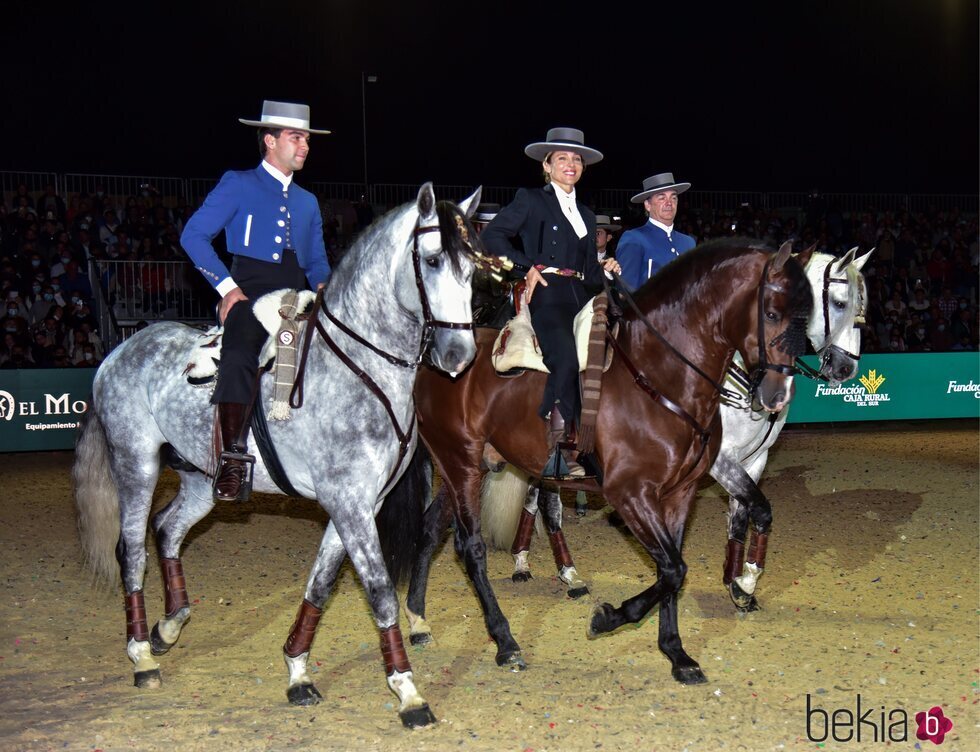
921, 281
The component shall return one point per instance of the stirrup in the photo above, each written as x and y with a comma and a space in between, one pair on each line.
246, 462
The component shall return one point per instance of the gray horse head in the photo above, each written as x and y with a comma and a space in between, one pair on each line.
426, 278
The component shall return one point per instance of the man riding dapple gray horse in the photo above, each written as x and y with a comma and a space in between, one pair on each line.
274, 231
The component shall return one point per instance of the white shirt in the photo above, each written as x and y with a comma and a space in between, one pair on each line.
666, 228
286, 180
570, 209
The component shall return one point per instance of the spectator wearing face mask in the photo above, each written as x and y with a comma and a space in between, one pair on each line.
89, 358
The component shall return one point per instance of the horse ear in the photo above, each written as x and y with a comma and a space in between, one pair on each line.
860, 262
426, 201
784, 252
841, 264
803, 257
468, 206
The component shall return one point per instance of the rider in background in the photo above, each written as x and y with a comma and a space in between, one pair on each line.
557, 233
643, 251
274, 232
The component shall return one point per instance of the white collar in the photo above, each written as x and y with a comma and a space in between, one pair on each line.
666, 228
282, 177
565, 198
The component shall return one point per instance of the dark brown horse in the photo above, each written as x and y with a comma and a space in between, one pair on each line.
658, 429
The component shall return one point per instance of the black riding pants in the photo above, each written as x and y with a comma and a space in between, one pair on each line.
553, 310
244, 335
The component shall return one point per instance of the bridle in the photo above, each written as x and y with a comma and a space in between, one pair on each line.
429, 324
829, 347
759, 373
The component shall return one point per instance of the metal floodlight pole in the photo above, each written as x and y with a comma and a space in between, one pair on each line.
365, 79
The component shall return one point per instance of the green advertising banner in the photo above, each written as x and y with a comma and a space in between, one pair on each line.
897, 386
41, 408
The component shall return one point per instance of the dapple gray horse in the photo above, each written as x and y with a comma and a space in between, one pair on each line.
405, 282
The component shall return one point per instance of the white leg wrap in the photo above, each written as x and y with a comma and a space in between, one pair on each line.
297, 669
417, 624
140, 654
402, 684
169, 629
750, 576
570, 577
520, 562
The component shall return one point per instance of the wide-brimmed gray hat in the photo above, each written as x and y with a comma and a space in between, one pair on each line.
602, 222
485, 212
658, 184
284, 115
563, 139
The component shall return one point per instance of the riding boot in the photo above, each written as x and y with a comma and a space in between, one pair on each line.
234, 479
566, 466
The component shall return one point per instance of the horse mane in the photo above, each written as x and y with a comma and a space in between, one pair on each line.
686, 277
457, 235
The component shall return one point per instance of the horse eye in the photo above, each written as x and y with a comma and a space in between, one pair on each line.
434, 261
840, 305
772, 316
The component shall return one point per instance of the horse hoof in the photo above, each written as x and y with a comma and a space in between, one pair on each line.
744, 602
422, 638
578, 592
521, 576
512, 661
600, 620
148, 679
303, 694
417, 717
158, 646
689, 674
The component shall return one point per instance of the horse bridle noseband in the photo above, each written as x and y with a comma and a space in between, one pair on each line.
829, 347
429, 324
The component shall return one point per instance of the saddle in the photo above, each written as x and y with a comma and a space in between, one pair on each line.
516, 350
282, 313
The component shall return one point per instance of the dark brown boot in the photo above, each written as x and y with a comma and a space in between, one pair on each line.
234, 479
556, 437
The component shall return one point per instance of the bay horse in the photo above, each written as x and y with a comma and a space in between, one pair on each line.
404, 283
748, 432
657, 432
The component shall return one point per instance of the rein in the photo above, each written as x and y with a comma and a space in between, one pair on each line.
828, 346
429, 324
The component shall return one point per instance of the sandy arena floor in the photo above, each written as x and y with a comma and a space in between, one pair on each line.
871, 590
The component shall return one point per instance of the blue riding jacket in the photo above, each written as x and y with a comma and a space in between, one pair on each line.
644, 251
260, 220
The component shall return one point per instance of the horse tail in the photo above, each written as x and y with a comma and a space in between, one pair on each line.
502, 500
399, 521
96, 501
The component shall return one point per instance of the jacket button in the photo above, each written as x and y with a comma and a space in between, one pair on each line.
281, 223
278, 239
552, 258
275, 256
282, 208
555, 228
554, 242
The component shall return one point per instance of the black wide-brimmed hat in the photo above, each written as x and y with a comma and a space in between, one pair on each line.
658, 184
563, 139
602, 222
485, 212
284, 115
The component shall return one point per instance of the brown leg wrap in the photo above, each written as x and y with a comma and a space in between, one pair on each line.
174, 586
136, 628
393, 651
757, 549
560, 549
522, 539
733, 560
304, 628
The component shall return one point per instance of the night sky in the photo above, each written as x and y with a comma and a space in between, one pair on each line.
857, 95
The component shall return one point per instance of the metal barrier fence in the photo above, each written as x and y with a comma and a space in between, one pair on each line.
136, 291
176, 191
